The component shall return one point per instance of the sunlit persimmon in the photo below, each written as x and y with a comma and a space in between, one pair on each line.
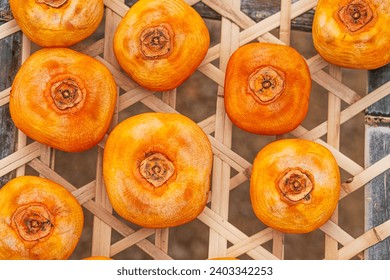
353, 33
39, 219
267, 88
156, 169
63, 99
57, 23
161, 43
295, 185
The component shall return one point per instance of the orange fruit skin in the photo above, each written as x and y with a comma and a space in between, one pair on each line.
57, 27
67, 223
184, 195
283, 114
190, 43
366, 48
266, 199
33, 110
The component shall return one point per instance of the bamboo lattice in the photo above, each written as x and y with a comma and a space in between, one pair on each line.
231, 169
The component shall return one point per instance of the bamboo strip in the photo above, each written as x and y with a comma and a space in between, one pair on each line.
229, 156
99, 211
19, 158
284, 37
231, 233
250, 243
228, 11
117, 6
335, 231
365, 176
343, 161
192, 2
130, 240
235, 181
5, 93
285, 21
350, 112
162, 238
254, 30
316, 63
121, 79
8, 28
213, 73
162, 235
4, 100
19, 162
85, 193
333, 139
94, 49
124, 230
157, 105
21, 137
208, 124
223, 133
101, 232
366, 240
336, 87
238, 179
133, 96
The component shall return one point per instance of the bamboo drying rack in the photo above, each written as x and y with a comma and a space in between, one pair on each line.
225, 239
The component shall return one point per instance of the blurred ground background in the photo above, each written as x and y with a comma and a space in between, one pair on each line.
196, 98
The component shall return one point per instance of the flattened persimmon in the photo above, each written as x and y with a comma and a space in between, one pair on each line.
157, 168
63, 99
267, 88
39, 219
353, 33
295, 185
159, 44
57, 23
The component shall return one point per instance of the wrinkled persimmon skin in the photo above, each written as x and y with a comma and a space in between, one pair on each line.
183, 195
58, 26
365, 46
186, 38
269, 204
291, 93
36, 89
66, 220
63, 26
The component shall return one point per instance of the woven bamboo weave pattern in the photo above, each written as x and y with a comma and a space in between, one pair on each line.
230, 169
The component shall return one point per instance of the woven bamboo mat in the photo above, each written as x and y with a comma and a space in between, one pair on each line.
231, 170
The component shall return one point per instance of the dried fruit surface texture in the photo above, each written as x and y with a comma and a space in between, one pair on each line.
161, 43
157, 169
353, 33
39, 219
295, 185
267, 88
63, 99
57, 23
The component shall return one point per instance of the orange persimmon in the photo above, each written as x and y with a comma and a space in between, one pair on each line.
57, 23
159, 44
39, 219
295, 185
63, 99
353, 33
267, 88
156, 168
